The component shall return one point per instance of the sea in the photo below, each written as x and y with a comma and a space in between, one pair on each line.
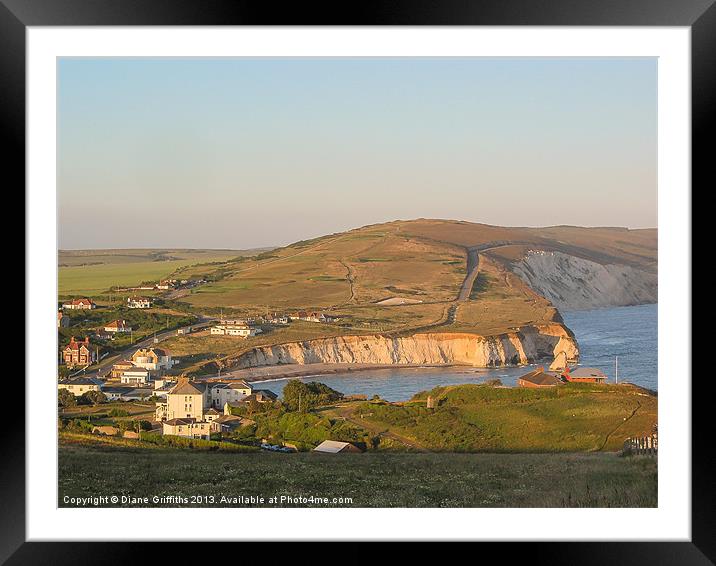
617, 336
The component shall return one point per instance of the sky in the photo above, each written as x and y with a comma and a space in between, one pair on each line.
252, 152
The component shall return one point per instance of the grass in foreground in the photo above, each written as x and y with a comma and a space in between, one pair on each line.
369, 480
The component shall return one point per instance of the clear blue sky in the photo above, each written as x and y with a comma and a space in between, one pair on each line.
241, 153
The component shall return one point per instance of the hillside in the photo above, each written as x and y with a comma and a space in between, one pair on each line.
482, 418
409, 292
421, 263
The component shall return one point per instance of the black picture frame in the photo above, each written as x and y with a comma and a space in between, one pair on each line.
699, 15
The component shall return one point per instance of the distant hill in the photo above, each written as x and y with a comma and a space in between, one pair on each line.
418, 267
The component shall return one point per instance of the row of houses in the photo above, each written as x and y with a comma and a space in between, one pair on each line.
313, 316
118, 326
191, 409
145, 365
242, 330
88, 304
78, 386
192, 399
165, 285
184, 408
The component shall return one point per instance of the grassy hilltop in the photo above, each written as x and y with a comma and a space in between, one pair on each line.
419, 260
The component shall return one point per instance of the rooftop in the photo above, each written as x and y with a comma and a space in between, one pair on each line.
587, 372
539, 377
185, 387
332, 446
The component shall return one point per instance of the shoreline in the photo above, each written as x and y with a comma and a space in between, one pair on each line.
288, 371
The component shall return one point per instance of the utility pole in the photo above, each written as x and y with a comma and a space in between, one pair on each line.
616, 368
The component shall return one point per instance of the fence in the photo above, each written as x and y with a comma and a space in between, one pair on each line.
648, 445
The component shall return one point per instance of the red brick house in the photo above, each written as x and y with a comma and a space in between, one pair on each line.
78, 353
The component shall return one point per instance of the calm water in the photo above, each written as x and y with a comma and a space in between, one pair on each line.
627, 332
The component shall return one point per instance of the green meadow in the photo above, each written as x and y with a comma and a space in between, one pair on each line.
372, 479
93, 272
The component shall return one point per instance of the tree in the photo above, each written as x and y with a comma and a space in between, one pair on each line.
306, 396
66, 398
94, 397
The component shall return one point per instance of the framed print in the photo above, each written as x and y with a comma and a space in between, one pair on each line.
421, 275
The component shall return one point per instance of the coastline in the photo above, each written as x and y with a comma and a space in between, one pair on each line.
288, 371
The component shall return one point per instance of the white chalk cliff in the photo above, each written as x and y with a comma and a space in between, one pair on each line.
526, 345
574, 283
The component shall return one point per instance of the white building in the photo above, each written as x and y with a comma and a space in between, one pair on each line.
186, 400
136, 376
119, 325
138, 303
190, 428
221, 393
153, 359
234, 330
81, 385
79, 304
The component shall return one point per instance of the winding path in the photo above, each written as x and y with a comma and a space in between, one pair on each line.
616, 428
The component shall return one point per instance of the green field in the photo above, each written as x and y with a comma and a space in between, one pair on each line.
367, 480
93, 272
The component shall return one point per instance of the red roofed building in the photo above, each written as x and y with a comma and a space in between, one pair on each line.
78, 353
119, 325
79, 304
538, 378
585, 375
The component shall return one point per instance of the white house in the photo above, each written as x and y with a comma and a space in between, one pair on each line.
221, 393
80, 385
127, 393
119, 325
153, 359
234, 330
79, 304
186, 400
136, 376
190, 428
138, 303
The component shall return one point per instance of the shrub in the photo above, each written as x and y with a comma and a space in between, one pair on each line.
65, 398
308, 395
93, 398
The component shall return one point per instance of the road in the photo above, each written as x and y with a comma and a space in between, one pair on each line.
103, 367
473, 263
